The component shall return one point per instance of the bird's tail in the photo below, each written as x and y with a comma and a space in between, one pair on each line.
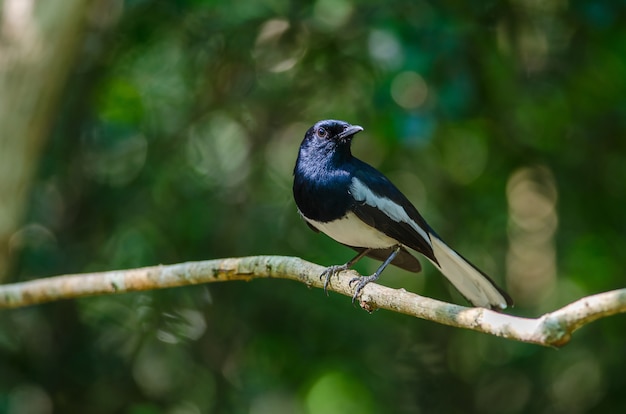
476, 286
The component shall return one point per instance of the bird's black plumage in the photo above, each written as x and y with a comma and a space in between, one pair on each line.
356, 205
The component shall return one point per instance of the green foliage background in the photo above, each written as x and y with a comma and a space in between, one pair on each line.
176, 139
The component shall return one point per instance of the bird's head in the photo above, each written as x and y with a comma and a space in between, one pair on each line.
331, 134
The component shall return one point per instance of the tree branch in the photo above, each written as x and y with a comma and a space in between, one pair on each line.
551, 329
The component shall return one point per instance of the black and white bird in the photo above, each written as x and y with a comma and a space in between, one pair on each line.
356, 205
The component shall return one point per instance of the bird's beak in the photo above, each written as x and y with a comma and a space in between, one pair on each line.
351, 130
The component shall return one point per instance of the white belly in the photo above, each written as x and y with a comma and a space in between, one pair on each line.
351, 231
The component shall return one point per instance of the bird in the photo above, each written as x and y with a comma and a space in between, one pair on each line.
356, 205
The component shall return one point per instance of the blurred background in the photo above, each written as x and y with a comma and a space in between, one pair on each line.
141, 132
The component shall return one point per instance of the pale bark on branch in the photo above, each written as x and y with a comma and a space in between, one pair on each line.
551, 329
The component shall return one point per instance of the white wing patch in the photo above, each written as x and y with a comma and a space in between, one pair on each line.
394, 211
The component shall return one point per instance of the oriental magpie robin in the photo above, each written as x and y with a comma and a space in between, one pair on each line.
356, 205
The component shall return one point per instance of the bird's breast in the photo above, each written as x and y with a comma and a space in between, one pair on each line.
321, 194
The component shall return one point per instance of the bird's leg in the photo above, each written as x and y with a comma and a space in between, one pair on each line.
362, 281
335, 269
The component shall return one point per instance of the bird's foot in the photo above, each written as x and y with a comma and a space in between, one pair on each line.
330, 272
360, 284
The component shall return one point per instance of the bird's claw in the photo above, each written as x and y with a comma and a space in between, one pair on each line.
360, 284
330, 272
360, 281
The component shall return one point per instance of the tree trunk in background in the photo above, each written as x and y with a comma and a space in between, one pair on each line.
38, 42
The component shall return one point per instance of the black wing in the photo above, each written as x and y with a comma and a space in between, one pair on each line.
402, 231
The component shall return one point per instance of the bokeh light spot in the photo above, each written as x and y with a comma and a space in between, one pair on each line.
218, 149
409, 90
531, 259
385, 49
29, 398
332, 14
276, 50
338, 393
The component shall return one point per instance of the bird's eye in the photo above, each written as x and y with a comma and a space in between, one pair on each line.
321, 132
